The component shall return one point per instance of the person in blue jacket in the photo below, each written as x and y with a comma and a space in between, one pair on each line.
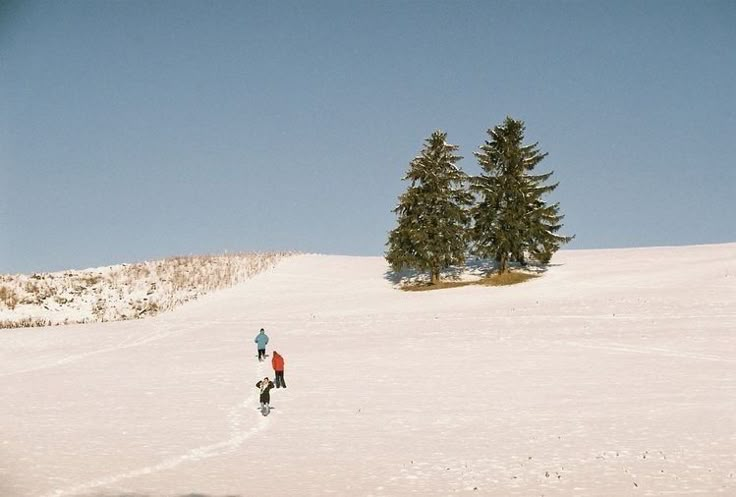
261, 341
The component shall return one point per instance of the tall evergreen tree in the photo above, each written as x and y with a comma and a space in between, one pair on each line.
511, 222
432, 214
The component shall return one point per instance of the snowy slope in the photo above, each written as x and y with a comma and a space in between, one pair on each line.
122, 291
612, 375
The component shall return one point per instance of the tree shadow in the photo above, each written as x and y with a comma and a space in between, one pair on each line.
396, 277
474, 268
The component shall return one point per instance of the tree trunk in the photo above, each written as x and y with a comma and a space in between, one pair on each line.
435, 276
502, 265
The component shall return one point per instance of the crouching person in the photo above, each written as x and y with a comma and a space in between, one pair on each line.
265, 385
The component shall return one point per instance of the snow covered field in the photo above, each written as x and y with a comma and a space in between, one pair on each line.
612, 375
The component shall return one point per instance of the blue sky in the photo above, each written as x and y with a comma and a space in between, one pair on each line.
138, 130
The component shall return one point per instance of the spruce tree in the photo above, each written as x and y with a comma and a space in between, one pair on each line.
511, 222
432, 215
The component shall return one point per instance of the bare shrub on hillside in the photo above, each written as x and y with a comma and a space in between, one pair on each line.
8, 297
126, 291
89, 280
99, 309
24, 323
62, 300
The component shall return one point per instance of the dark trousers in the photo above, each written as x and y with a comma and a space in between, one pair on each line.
279, 381
261, 354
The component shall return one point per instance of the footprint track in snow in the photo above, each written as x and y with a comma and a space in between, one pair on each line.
238, 434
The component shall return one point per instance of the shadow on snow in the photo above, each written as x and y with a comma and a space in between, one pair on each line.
473, 269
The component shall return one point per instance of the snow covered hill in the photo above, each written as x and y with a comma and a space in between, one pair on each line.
612, 375
122, 291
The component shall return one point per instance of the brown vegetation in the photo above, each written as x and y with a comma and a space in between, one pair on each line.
8, 297
126, 291
496, 279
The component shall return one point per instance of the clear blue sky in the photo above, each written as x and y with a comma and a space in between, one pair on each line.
138, 130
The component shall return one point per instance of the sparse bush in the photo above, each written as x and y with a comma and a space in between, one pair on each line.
61, 300
8, 297
24, 323
91, 279
78, 286
31, 287
131, 291
99, 309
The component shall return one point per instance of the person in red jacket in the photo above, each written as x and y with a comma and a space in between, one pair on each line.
278, 368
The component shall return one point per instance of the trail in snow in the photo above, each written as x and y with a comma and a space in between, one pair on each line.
159, 334
238, 435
